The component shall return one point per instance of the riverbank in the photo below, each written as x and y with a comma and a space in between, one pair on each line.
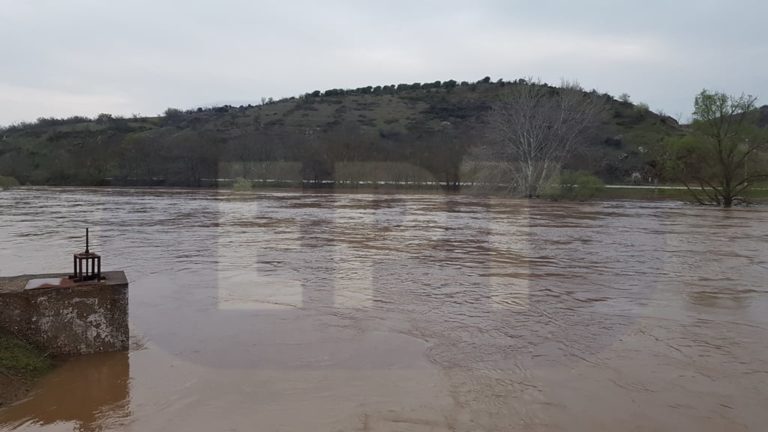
609, 193
759, 195
20, 366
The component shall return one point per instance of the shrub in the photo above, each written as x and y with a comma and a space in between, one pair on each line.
8, 182
574, 186
241, 184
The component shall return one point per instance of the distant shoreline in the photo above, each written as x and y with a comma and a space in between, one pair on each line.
617, 192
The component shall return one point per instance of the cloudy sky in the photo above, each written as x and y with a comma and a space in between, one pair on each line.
66, 57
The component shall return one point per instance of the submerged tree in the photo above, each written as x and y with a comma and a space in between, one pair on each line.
720, 159
533, 130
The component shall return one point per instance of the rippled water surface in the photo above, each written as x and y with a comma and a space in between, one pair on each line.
288, 311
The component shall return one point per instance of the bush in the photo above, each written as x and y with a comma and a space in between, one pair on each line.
241, 184
173, 115
574, 186
19, 359
8, 182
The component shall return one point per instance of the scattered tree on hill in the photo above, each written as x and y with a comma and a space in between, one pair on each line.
721, 157
104, 118
173, 116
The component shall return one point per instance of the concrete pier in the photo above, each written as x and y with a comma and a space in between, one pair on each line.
65, 317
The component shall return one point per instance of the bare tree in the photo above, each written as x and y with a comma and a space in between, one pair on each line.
534, 129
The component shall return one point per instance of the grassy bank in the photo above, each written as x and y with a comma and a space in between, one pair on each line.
758, 195
20, 365
618, 192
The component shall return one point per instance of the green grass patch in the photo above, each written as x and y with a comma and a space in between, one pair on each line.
242, 185
643, 194
757, 196
760, 193
19, 359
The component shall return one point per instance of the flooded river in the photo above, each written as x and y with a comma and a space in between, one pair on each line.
288, 311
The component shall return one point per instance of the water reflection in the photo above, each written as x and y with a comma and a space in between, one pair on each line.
726, 299
89, 394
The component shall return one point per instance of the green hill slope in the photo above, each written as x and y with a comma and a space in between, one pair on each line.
408, 132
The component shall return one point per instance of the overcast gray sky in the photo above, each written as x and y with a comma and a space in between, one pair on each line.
65, 57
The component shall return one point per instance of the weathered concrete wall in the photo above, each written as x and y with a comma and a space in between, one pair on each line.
79, 318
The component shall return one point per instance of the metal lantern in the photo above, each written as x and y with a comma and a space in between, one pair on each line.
87, 265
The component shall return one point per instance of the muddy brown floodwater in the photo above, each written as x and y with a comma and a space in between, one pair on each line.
288, 311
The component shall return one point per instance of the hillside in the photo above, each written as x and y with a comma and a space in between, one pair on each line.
407, 132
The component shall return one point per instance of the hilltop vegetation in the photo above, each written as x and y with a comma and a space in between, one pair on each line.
407, 132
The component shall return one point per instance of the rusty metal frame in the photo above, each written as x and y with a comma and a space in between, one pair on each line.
86, 266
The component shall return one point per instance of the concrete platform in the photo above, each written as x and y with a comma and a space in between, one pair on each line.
64, 317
